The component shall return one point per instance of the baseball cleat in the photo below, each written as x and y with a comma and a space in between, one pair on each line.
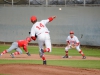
44, 62
65, 56
12, 55
84, 57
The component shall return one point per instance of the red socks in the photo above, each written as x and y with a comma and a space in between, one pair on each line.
47, 50
66, 53
5, 51
16, 53
81, 53
43, 58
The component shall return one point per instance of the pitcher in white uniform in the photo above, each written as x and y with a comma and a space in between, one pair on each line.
73, 42
40, 30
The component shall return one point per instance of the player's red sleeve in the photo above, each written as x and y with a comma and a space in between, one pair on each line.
33, 37
50, 19
25, 48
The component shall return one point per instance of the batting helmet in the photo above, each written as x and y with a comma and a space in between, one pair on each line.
33, 18
71, 32
28, 39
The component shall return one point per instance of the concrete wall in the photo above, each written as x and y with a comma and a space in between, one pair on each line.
15, 23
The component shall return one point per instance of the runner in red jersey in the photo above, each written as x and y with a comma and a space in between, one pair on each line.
16, 46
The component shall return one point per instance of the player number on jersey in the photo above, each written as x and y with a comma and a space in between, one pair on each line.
40, 26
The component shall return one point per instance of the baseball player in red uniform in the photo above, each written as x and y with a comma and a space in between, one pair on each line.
16, 46
73, 42
40, 30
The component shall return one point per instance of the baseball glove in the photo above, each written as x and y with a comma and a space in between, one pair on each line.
73, 46
28, 54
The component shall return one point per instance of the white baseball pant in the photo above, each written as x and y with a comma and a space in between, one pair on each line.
14, 46
44, 38
69, 47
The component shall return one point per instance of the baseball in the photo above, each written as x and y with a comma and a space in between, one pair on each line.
60, 9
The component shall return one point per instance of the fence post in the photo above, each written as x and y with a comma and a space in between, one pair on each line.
65, 3
29, 2
46, 2
84, 2
12, 3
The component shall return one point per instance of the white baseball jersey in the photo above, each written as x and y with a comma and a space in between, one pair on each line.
73, 40
39, 27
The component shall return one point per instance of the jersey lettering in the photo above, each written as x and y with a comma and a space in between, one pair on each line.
40, 26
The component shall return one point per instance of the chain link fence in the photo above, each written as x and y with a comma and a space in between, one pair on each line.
84, 21
49, 2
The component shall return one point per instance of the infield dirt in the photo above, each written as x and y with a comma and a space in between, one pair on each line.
48, 57
36, 69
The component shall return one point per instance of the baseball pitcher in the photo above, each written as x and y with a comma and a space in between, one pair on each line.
41, 32
16, 46
73, 42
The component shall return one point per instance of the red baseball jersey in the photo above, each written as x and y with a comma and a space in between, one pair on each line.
23, 43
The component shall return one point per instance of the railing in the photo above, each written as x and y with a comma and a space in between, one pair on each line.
49, 3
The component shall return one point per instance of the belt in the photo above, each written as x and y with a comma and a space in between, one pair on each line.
44, 32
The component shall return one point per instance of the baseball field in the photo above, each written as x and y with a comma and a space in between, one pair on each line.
56, 65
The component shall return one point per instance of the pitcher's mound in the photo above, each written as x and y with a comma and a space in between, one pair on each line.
29, 69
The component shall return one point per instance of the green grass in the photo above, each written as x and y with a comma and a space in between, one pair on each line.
72, 52
70, 63
20, 61
77, 63
59, 51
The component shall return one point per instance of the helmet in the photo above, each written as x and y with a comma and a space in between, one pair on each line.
28, 39
71, 32
33, 18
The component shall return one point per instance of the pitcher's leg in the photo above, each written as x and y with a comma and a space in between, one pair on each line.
41, 52
40, 43
48, 46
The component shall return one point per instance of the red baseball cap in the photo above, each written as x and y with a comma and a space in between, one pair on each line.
71, 32
33, 18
